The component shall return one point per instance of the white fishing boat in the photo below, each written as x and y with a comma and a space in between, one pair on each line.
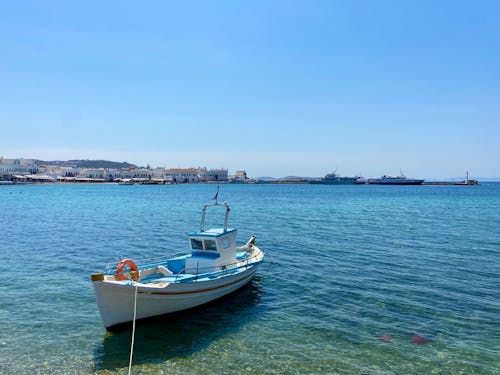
213, 268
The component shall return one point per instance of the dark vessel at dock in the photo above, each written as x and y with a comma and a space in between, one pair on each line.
390, 180
334, 179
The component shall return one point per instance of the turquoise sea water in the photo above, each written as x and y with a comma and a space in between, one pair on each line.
350, 264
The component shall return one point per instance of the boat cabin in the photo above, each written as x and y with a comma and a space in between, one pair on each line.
212, 249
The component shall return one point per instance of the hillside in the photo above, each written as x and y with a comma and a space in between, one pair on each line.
89, 163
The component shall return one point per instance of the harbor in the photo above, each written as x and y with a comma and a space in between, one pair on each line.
250, 188
32, 171
335, 179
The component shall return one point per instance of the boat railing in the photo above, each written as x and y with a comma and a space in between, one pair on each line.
223, 268
144, 263
227, 266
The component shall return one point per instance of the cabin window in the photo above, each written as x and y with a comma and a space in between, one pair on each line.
196, 244
225, 243
210, 245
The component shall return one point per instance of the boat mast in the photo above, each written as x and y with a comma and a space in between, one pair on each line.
204, 211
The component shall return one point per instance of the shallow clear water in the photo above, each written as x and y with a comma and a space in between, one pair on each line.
345, 266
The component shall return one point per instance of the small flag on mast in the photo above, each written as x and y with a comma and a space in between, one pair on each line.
216, 195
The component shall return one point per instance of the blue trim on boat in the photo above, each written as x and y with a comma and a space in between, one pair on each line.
205, 254
176, 265
241, 255
190, 278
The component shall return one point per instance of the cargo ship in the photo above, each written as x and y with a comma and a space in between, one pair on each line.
334, 179
390, 180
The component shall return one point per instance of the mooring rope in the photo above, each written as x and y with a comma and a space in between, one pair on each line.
133, 331
271, 260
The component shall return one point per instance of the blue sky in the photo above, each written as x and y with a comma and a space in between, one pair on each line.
274, 87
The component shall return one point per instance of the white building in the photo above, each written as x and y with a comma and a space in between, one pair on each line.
239, 176
160, 175
212, 174
138, 173
57, 171
159, 172
12, 167
110, 174
181, 175
100, 173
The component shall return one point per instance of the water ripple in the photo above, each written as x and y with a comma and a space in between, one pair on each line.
359, 271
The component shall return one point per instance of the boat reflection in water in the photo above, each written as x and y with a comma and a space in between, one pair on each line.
159, 339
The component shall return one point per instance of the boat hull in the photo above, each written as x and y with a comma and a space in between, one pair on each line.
116, 299
395, 181
339, 181
402, 182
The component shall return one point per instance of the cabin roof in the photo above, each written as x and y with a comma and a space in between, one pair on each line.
214, 232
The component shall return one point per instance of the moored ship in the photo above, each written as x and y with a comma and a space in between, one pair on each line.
391, 180
334, 179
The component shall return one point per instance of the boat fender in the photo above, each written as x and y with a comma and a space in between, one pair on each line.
133, 267
251, 241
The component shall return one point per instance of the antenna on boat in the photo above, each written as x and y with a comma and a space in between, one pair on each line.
216, 196
204, 211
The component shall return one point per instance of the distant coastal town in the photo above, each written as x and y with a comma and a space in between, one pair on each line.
24, 171
101, 171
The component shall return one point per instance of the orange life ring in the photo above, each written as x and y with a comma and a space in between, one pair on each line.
119, 270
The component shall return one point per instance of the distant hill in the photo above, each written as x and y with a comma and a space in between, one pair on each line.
294, 178
89, 163
265, 178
